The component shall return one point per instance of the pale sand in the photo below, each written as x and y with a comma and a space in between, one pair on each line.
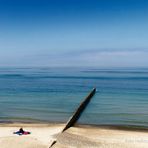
42, 136
93, 137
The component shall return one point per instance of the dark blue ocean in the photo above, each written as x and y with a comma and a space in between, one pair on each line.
53, 94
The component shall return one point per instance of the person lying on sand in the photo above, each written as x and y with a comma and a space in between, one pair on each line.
22, 132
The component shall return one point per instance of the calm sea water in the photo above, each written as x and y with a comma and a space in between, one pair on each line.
53, 94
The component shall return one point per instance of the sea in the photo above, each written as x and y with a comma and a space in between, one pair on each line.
53, 94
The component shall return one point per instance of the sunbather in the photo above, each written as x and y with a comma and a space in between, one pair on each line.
22, 132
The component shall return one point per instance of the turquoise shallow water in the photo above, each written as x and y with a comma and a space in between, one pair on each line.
53, 94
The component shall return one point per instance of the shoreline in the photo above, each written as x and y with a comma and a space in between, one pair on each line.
81, 135
103, 126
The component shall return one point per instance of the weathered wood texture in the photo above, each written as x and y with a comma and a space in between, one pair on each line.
73, 119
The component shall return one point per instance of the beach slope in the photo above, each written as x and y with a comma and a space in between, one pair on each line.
42, 136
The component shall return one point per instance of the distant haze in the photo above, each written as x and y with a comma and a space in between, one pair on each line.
98, 33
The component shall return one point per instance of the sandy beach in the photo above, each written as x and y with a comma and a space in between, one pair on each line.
42, 136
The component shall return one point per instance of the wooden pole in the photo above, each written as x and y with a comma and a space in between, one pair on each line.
73, 119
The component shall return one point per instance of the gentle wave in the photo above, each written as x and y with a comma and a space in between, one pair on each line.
115, 72
74, 77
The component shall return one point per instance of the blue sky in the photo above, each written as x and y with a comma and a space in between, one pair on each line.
100, 33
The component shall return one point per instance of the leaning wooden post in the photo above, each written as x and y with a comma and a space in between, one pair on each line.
73, 119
